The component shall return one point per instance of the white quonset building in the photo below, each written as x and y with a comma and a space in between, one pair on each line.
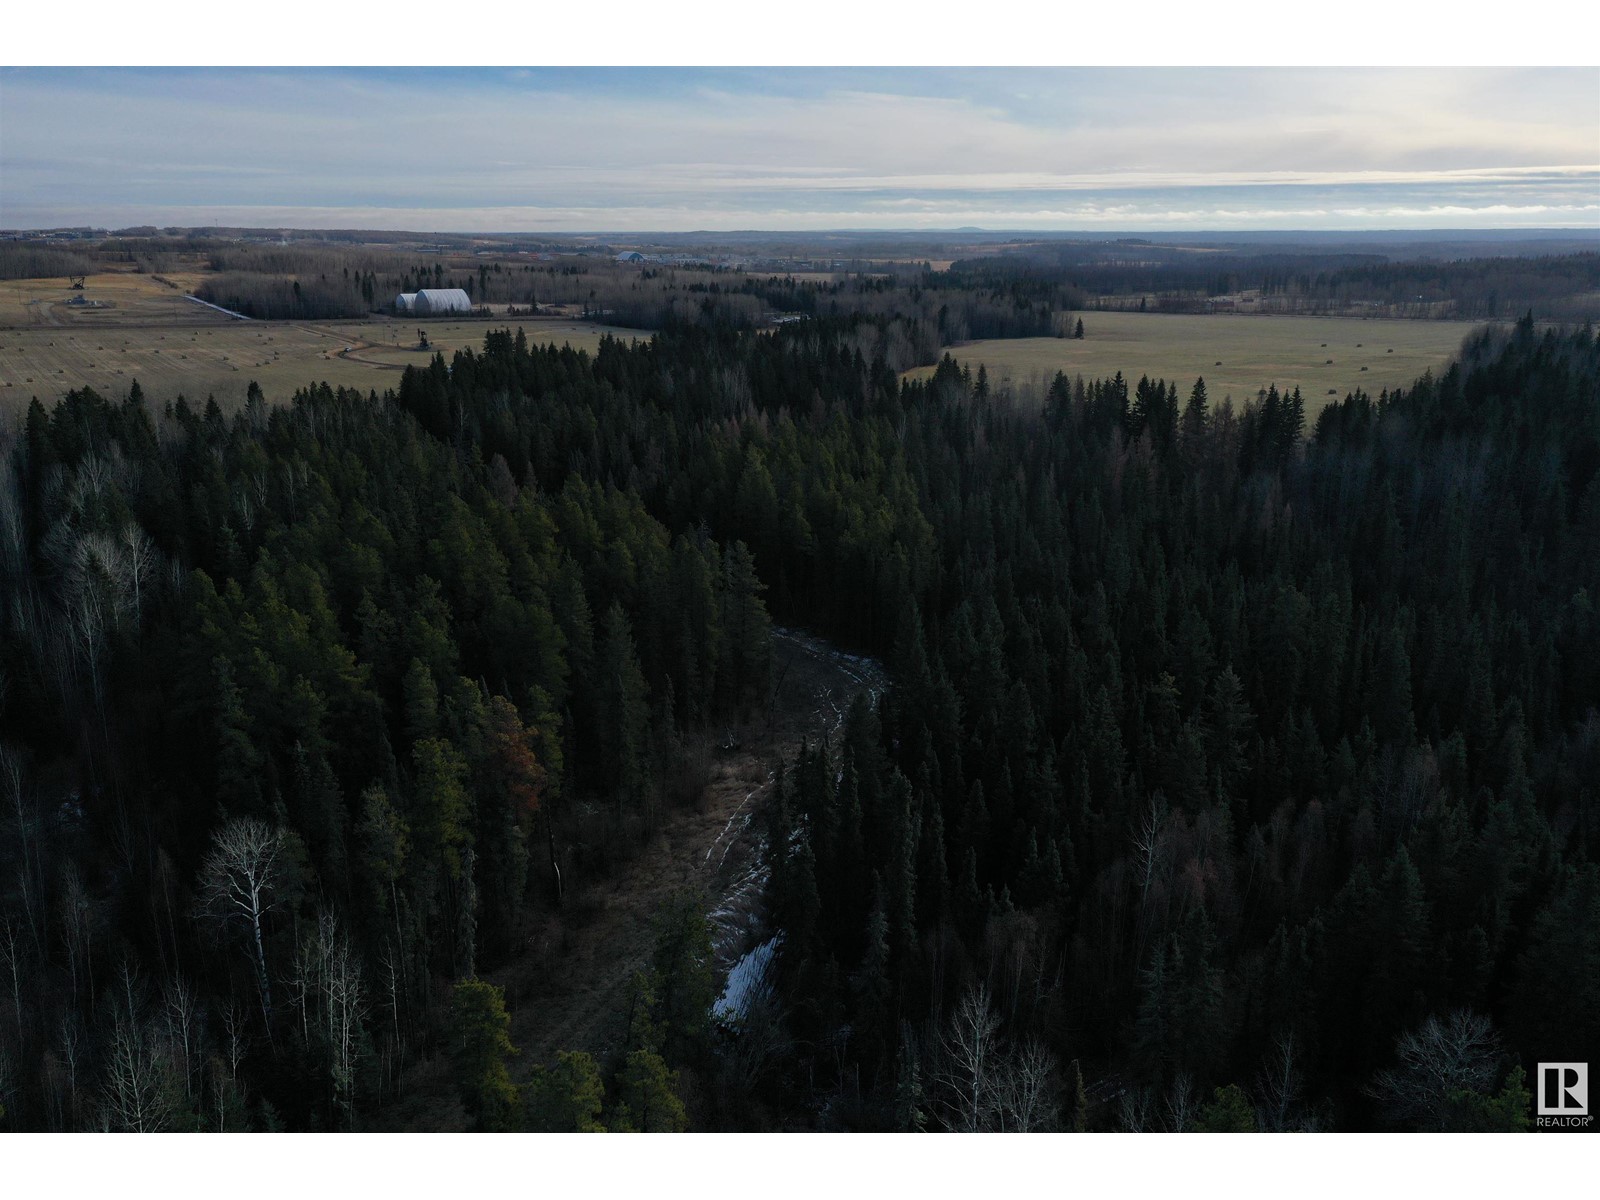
432, 301
405, 302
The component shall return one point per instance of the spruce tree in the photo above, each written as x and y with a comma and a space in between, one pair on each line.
481, 1032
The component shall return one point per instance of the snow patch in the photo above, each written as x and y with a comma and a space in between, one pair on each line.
747, 982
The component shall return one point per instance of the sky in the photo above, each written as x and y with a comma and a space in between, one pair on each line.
675, 149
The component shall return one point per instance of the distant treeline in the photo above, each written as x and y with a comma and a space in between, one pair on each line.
911, 315
283, 297
1562, 287
23, 260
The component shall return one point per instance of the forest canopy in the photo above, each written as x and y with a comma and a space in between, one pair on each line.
1234, 774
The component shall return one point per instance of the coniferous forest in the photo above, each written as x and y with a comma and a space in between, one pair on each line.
1237, 771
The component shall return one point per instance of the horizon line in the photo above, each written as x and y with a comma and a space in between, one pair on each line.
1506, 230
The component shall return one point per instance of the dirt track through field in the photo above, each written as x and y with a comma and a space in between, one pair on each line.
570, 990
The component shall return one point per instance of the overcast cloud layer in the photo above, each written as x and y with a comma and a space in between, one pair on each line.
908, 148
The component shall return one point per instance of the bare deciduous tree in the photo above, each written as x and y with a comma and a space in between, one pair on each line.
1181, 1103
225, 1108
329, 990
238, 883
181, 1016
303, 977
236, 1036
1148, 854
969, 1051
13, 525
1133, 1110
8, 1083
389, 960
77, 924
70, 1049
1279, 1086
1030, 1090
12, 951
1440, 1057
29, 866
137, 564
137, 1094
980, 1084
347, 1008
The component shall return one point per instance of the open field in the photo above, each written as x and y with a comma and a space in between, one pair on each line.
113, 298
215, 356
1237, 356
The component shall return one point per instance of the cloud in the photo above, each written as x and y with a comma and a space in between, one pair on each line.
689, 149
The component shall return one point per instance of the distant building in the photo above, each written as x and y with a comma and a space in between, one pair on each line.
630, 256
405, 302
432, 301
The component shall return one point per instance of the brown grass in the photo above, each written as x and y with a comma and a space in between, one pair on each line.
215, 356
127, 299
1236, 355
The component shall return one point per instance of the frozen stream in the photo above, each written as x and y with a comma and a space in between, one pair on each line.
743, 944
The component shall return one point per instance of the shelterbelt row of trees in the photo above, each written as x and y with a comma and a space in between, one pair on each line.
1231, 777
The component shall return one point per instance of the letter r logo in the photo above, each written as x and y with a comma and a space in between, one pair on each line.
1563, 1089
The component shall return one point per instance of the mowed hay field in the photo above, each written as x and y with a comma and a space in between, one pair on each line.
1236, 355
115, 298
221, 357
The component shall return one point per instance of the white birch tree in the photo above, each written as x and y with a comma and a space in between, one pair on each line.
238, 887
1030, 1089
969, 1051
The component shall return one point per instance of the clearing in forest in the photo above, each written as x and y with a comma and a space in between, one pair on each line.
569, 989
1326, 357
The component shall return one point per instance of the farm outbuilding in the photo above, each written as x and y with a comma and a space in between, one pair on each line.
431, 301
405, 302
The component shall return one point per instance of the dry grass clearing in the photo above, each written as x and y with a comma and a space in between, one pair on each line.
1237, 356
220, 357
114, 298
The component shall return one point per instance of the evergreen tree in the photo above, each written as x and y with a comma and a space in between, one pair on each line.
746, 662
1228, 1111
685, 978
567, 1097
483, 1050
647, 1101
624, 713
